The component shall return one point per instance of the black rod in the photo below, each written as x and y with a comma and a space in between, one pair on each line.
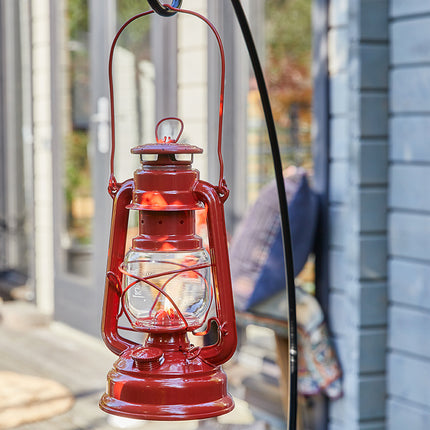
283, 206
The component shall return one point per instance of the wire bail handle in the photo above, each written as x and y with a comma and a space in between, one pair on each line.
113, 188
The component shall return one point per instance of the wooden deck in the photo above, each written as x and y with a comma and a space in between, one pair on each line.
30, 346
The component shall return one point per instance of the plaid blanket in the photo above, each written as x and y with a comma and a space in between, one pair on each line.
257, 267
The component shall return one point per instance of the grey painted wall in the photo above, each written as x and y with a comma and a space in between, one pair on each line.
379, 67
358, 74
409, 216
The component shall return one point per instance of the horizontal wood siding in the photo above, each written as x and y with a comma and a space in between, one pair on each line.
359, 111
409, 217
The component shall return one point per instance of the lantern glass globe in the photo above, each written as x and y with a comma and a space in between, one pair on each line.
167, 291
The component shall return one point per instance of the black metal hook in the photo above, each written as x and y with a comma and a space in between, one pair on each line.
162, 9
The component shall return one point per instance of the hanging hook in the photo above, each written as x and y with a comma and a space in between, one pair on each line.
163, 10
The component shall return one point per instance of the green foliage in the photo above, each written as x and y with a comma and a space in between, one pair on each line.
129, 8
288, 70
77, 14
136, 36
77, 166
78, 184
78, 21
289, 29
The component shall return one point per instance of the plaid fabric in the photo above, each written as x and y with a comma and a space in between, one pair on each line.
256, 262
318, 367
254, 237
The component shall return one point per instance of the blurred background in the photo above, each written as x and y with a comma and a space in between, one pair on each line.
348, 83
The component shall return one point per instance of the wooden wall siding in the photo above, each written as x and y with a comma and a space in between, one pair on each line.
409, 217
410, 187
409, 8
358, 68
409, 283
410, 235
407, 416
409, 138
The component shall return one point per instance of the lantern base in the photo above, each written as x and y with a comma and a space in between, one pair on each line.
170, 387
166, 413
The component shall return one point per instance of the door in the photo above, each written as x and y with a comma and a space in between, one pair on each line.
81, 211
84, 30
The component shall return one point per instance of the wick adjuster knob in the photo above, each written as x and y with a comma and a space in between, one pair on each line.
147, 358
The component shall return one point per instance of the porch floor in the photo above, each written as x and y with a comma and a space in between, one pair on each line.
31, 345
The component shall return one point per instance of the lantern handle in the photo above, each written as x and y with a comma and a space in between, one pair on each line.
220, 352
113, 184
169, 139
112, 297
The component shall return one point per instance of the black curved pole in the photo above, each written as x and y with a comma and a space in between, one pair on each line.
283, 205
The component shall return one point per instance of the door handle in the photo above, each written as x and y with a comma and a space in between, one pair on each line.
101, 118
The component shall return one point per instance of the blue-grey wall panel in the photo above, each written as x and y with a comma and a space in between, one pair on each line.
410, 282
373, 162
373, 340
373, 305
337, 225
338, 13
373, 257
401, 8
339, 138
410, 187
373, 20
374, 66
410, 41
373, 214
338, 186
408, 378
410, 88
409, 331
372, 397
373, 114
410, 138
409, 235
406, 416
337, 269
338, 94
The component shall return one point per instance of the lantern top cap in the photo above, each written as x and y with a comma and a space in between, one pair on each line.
166, 148
166, 144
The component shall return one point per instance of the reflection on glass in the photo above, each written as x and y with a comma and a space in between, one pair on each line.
177, 291
134, 87
287, 49
78, 198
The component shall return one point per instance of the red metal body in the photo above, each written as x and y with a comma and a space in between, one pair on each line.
167, 378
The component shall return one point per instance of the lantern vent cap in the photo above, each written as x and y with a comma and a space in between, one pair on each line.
166, 148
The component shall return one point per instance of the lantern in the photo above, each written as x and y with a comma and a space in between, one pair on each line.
165, 287
168, 285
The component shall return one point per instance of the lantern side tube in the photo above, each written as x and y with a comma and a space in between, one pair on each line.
112, 298
222, 351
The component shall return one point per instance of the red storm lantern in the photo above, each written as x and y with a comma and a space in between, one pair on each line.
167, 285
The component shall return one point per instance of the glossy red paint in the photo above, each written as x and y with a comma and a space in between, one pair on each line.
175, 383
167, 378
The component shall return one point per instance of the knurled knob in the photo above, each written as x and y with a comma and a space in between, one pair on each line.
147, 358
